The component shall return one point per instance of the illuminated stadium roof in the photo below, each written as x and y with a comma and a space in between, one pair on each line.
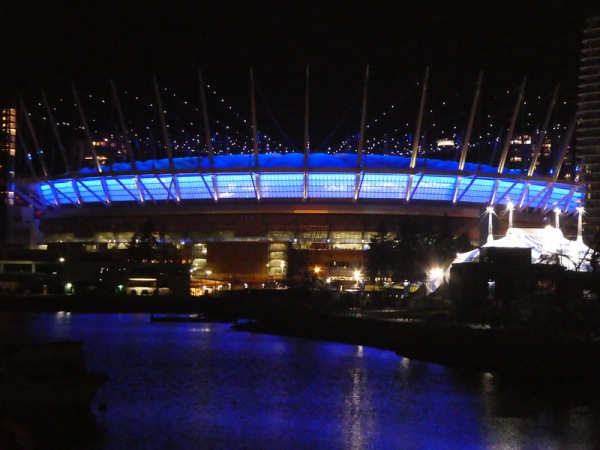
361, 176
289, 176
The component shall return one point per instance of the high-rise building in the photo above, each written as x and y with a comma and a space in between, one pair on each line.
8, 143
8, 139
588, 125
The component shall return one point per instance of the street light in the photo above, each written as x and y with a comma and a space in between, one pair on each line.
510, 207
490, 212
557, 218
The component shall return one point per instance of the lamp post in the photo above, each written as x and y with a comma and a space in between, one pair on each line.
490, 213
510, 207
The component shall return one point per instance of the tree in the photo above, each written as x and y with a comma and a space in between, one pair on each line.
413, 250
381, 256
143, 246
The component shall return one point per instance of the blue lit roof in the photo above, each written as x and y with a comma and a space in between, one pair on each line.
291, 161
328, 177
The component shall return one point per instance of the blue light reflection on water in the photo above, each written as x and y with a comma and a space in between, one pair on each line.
194, 385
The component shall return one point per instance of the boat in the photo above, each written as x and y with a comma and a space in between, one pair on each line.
47, 375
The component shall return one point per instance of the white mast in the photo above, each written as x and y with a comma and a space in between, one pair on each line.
511, 207
580, 212
361, 137
540, 141
465, 146
511, 128
254, 136
306, 138
128, 147
416, 139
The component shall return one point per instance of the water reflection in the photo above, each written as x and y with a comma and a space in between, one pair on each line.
190, 385
359, 416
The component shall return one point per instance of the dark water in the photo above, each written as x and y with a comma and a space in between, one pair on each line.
195, 386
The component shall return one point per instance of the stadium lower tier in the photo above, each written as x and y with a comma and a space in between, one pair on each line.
252, 241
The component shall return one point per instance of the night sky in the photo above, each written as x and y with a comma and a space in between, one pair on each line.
52, 44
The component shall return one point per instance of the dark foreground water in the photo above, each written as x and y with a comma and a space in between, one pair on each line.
196, 386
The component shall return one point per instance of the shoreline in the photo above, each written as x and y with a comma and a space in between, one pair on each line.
538, 354
494, 350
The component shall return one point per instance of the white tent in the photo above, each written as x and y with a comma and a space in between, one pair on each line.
548, 246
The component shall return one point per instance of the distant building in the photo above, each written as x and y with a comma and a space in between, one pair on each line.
8, 148
588, 126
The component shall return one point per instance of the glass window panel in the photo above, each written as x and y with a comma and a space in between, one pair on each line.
64, 191
91, 190
536, 198
558, 198
331, 185
154, 190
159, 187
192, 187
477, 191
235, 186
509, 191
384, 185
168, 182
45, 191
433, 187
118, 193
282, 185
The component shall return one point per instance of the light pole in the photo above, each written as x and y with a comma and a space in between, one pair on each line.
511, 207
490, 212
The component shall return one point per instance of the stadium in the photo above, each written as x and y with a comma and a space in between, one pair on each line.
235, 218
238, 208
